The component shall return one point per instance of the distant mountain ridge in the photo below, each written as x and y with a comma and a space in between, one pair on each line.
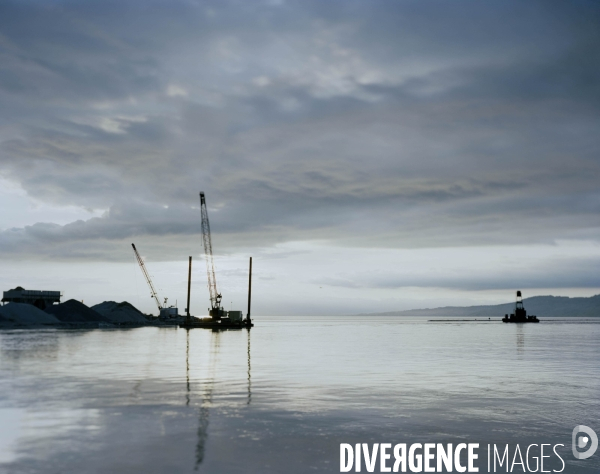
538, 305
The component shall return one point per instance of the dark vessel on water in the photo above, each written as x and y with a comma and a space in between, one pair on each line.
218, 318
520, 315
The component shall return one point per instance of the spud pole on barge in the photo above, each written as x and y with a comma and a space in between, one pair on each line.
188, 318
248, 320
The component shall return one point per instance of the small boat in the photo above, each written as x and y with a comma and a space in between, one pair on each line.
520, 315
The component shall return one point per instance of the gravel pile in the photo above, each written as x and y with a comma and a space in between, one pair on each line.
120, 313
74, 311
22, 314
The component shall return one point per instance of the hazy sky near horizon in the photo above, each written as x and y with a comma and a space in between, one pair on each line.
370, 155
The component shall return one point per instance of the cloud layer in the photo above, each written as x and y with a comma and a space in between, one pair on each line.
363, 124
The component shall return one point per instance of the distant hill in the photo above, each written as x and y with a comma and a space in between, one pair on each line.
538, 305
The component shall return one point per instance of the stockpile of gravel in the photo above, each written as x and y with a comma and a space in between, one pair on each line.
22, 314
120, 313
74, 311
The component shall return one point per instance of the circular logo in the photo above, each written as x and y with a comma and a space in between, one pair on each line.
583, 441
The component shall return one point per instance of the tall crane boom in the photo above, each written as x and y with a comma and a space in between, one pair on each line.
147, 275
215, 296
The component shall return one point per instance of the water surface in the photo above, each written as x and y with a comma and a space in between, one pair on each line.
284, 395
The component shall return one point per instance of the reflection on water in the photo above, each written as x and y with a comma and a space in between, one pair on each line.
123, 401
520, 338
42, 344
206, 400
249, 368
187, 366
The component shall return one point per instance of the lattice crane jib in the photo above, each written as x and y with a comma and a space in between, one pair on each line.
153, 292
215, 296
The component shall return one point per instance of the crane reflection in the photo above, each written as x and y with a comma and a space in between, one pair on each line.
207, 390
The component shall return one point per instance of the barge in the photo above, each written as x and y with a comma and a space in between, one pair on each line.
520, 315
218, 318
221, 324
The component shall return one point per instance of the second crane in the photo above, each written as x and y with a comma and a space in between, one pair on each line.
215, 311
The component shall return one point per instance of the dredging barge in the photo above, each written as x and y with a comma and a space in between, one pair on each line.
218, 318
520, 315
221, 324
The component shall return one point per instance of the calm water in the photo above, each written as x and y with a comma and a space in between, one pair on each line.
282, 397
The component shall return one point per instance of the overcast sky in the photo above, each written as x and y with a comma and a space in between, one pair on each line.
370, 155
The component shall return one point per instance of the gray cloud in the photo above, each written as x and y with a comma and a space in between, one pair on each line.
366, 124
552, 273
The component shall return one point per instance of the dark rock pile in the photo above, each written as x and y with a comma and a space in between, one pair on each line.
22, 314
73, 311
120, 313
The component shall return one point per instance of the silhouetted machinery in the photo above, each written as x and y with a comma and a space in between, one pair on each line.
520, 315
219, 318
163, 310
216, 310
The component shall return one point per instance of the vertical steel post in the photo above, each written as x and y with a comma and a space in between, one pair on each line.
187, 309
249, 290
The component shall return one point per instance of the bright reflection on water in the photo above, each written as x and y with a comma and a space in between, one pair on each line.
282, 397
